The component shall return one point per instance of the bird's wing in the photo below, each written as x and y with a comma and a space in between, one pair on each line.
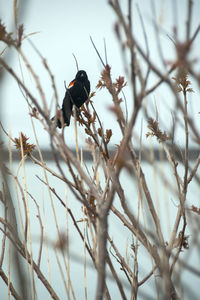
67, 108
79, 93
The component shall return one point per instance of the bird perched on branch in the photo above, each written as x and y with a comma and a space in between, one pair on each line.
76, 94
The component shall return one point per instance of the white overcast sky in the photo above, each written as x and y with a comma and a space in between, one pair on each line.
64, 27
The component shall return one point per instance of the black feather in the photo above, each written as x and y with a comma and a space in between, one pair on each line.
76, 94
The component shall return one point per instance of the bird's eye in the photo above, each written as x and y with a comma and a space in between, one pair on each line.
82, 74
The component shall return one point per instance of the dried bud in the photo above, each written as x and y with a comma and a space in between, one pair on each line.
117, 30
195, 209
182, 82
87, 131
100, 85
120, 84
22, 142
93, 119
3, 32
100, 133
153, 125
89, 141
117, 111
108, 135
20, 33
92, 94
4, 35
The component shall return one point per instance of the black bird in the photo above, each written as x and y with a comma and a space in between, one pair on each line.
76, 94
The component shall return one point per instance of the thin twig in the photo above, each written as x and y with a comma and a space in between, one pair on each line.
97, 52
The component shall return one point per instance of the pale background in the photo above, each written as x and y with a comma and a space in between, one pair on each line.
64, 27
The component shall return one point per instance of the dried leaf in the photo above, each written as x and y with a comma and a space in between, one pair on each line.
100, 85
2, 32
92, 94
100, 133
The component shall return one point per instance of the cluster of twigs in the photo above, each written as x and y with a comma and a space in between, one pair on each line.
96, 194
